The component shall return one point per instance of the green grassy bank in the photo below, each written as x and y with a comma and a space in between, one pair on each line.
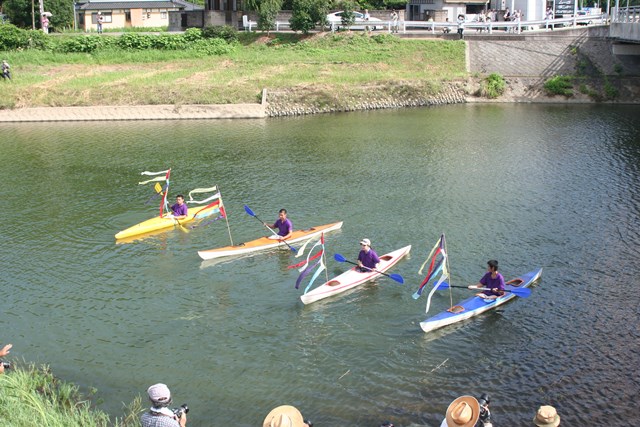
135, 69
34, 397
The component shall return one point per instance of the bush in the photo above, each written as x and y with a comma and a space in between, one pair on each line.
169, 42
610, 91
135, 41
12, 38
192, 34
494, 86
559, 85
225, 32
88, 44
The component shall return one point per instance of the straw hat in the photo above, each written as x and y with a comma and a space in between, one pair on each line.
463, 412
547, 416
284, 416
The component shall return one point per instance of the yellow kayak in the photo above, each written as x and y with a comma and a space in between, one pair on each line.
264, 243
167, 221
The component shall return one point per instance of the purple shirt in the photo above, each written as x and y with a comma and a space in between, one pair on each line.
179, 210
368, 259
489, 282
284, 227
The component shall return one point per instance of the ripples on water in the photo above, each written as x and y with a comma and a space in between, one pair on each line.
534, 186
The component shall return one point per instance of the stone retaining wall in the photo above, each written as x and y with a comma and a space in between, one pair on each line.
312, 100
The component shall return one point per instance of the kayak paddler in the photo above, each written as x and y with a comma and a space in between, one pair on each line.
284, 226
368, 259
492, 280
179, 209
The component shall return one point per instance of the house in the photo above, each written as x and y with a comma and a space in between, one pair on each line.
127, 13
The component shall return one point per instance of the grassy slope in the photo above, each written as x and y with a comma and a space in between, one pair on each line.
332, 62
34, 397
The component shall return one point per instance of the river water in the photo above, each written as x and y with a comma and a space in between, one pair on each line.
556, 187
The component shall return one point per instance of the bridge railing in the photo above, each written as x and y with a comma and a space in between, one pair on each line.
503, 26
626, 15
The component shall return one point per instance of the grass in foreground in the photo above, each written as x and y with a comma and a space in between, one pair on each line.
331, 62
34, 397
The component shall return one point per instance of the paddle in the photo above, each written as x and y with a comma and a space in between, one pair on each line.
248, 210
519, 292
398, 278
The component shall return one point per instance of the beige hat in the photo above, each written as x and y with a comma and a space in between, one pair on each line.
159, 393
365, 242
284, 416
547, 417
463, 412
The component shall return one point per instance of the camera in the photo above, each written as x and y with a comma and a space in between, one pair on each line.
6, 365
183, 409
485, 413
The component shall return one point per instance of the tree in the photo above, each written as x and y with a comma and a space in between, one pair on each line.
267, 13
348, 17
19, 13
307, 13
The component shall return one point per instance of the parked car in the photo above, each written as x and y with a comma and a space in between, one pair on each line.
582, 14
335, 19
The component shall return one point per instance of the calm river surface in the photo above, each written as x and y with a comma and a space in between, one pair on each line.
555, 187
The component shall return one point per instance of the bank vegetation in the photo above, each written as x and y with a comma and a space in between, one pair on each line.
215, 66
33, 396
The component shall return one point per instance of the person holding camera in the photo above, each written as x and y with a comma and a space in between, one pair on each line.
159, 415
3, 352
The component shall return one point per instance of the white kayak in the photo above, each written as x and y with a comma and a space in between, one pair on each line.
352, 278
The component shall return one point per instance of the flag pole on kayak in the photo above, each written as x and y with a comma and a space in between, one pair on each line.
248, 210
398, 278
520, 292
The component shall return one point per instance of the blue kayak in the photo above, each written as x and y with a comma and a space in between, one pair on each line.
477, 305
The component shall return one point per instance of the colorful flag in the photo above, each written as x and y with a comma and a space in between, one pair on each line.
438, 265
305, 269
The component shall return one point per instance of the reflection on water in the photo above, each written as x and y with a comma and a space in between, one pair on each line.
533, 186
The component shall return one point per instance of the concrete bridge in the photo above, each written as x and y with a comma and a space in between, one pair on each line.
625, 27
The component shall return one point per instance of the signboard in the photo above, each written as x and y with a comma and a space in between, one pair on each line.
565, 7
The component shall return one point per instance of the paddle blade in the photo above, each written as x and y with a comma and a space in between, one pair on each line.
521, 292
248, 210
398, 278
339, 258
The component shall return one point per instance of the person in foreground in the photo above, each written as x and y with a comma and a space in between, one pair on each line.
3, 352
284, 226
462, 412
160, 415
368, 259
285, 416
547, 416
492, 280
179, 209
6, 70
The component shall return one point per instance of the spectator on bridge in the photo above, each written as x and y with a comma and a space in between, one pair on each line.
461, 26
447, 29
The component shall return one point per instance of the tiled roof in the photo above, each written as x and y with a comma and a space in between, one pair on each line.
111, 5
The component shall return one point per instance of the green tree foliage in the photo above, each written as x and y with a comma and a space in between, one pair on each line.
19, 13
267, 13
348, 17
307, 13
